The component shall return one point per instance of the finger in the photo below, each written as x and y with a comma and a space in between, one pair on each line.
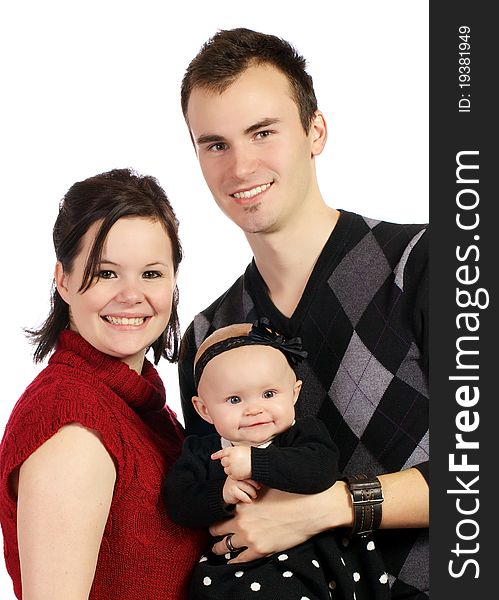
244, 556
221, 528
218, 454
248, 489
253, 483
220, 547
243, 497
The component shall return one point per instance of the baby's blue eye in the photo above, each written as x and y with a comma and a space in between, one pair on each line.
234, 400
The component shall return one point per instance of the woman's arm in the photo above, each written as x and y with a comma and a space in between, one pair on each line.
64, 495
279, 520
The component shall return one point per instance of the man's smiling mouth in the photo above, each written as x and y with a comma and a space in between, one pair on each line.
252, 192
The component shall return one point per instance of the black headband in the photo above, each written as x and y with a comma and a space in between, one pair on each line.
261, 334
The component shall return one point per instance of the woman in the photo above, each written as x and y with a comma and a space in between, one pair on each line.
90, 441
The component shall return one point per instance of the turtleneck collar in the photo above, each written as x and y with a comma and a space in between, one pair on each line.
144, 392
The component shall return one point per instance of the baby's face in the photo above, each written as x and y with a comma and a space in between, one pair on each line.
249, 394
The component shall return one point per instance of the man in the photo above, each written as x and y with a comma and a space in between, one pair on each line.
354, 289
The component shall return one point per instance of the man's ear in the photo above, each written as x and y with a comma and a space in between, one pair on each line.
297, 390
318, 133
61, 279
201, 409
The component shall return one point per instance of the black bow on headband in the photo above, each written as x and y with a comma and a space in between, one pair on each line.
263, 333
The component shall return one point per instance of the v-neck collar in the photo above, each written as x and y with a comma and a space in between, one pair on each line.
330, 252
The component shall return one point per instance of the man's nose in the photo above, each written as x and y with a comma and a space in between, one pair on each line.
244, 162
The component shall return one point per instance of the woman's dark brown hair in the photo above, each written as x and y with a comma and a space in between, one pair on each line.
107, 198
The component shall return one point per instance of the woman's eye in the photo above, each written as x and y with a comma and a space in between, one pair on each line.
152, 275
234, 400
106, 274
268, 394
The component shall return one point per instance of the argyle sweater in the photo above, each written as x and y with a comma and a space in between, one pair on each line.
363, 319
143, 554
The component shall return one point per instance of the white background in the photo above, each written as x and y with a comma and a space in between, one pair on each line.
90, 86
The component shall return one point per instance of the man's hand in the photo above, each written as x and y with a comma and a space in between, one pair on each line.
244, 490
279, 520
236, 461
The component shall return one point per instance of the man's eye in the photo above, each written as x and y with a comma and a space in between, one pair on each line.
269, 394
218, 147
234, 400
106, 274
151, 274
263, 134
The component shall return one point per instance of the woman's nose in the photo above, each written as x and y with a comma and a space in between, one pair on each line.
130, 294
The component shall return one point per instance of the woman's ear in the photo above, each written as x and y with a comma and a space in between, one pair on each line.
201, 409
318, 133
61, 281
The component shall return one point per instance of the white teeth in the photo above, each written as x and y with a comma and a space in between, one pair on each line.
253, 192
125, 320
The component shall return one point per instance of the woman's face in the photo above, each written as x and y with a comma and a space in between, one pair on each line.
128, 305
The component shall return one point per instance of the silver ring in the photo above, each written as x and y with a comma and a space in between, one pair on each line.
229, 544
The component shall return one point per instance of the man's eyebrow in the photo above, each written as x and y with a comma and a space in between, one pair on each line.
263, 123
213, 138
209, 138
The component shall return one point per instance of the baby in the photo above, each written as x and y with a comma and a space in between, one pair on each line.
247, 389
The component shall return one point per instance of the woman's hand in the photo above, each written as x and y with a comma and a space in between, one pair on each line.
64, 494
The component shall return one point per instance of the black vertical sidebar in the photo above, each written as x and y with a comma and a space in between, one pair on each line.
464, 367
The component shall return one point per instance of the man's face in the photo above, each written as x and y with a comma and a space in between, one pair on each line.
254, 153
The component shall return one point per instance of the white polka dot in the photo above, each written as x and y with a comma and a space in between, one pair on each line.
383, 578
345, 541
316, 563
227, 556
207, 581
287, 574
238, 573
304, 598
343, 562
356, 576
370, 546
282, 557
255, 586
332, 584
203, 559
354, 596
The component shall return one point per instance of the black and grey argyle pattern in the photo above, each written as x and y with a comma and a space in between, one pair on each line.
363, 319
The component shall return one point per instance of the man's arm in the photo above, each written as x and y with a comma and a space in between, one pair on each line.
279, 520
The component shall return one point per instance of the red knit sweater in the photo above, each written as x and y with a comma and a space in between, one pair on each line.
143, 554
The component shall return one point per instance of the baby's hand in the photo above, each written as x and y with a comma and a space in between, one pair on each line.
235, 460
240, 491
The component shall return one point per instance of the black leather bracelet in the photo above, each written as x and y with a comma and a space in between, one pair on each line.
367, 499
